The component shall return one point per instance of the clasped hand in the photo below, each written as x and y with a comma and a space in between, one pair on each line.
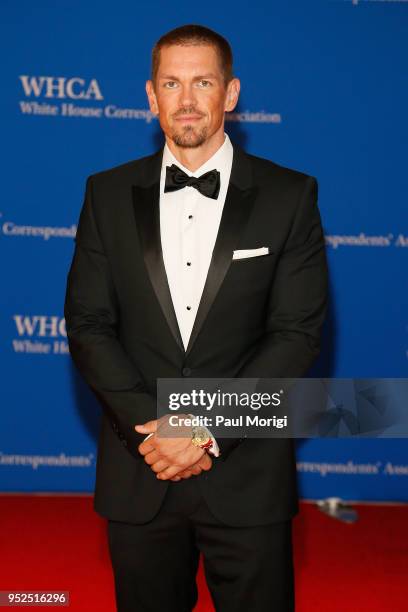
171, 457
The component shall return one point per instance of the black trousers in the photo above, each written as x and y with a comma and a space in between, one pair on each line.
155, 563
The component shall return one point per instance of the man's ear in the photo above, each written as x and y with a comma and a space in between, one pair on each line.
233, 89
151, 96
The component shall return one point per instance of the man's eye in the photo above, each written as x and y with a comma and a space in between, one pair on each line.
202, 82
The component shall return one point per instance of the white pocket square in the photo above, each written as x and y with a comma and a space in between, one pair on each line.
242, 253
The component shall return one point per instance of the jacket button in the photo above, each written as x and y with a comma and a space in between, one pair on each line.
186, 371
124, 442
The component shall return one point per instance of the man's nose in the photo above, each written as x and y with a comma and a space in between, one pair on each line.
187, 95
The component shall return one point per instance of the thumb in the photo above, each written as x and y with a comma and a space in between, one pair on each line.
205, 462
149, 427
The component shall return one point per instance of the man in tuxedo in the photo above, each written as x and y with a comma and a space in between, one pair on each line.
200, 260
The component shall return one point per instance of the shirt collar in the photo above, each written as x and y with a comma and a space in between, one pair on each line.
220, 160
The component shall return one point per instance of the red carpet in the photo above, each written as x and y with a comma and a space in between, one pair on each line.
54, 543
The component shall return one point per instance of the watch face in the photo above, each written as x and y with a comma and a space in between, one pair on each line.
200, 436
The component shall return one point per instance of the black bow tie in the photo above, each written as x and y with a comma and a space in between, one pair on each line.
208, 184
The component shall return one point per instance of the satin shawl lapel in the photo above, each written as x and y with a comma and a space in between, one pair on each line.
237, 208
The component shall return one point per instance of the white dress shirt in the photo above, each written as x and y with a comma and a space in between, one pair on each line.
189, 223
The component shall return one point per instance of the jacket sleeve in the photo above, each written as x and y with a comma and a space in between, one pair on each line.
297, 302
91, 315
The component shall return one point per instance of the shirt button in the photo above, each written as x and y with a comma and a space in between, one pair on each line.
188, 307
190, 216
186, 371
189, 263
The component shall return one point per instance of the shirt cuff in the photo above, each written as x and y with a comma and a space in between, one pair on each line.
214, 450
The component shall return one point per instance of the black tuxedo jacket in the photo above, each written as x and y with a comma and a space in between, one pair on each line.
258, 317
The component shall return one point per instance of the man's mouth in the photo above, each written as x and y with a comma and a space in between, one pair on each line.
188, 118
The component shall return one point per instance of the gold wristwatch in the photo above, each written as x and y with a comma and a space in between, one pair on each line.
201, 438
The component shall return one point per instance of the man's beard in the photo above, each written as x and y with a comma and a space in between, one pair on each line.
189, 136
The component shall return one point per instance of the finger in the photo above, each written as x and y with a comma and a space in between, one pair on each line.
205, 462
146, 447
195, 470
175, 478
149, 427
153, 456
169, 472
191, 471
160, 466
186, 474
